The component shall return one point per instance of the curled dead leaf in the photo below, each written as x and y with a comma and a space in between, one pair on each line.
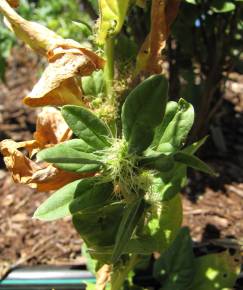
13, 3
51, 129
58, 85
21, 167
42, 177
163, 14
52, 178
103, 277
67, 60
37, 36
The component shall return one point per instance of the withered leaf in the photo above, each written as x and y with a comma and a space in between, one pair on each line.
21, 167
58, 85
67, 60
13, 3
51, 129
103, 277
37, 36
163, 13
43, 177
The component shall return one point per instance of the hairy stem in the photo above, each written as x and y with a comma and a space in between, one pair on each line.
120, 275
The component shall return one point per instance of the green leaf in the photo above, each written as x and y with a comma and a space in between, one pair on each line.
98, 229
86, 126
79, 144
65, 157
142, 246
191, 149
93, 85
193, 161
158, 161
194, 2
130, 219
220, 6
169, 183
57, 205
112, 16
98, 195
215, 272
165, 222
176, 126
170, 111
143, 111
175, 268
126, 49
84, 27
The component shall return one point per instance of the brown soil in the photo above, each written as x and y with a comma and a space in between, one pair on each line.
213, 207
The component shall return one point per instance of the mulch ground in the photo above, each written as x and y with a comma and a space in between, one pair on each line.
213, 207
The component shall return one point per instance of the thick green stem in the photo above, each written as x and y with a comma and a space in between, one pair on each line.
109, 67
121, 274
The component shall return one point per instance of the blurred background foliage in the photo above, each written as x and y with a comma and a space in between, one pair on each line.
203, 49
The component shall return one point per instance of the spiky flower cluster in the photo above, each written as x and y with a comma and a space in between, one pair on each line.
121, 168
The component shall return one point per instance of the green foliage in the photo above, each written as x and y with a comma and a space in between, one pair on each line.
105, 221
178, 268
86, 126
164, 222
69, 159
94, 85
193, 161
215, 271
175, 268
57, 206
128, 208
48, 12
143, 111
132, 215
113, 13
99, 194
176, 125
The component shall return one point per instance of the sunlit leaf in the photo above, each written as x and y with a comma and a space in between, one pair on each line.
193, 161
86, 126
65, 157
175, 268
165, 221
142, 111
219, 6
215, 272
112, 16
176, 125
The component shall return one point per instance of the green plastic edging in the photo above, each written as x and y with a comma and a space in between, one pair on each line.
49, 282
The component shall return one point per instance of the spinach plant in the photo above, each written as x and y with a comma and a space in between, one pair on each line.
120, 176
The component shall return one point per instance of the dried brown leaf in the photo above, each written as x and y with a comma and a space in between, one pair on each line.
21, 167
58, 85
163, 13
67, 60
43, 177
51, 128
51, 178
37, 36
103, 277
13, 3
